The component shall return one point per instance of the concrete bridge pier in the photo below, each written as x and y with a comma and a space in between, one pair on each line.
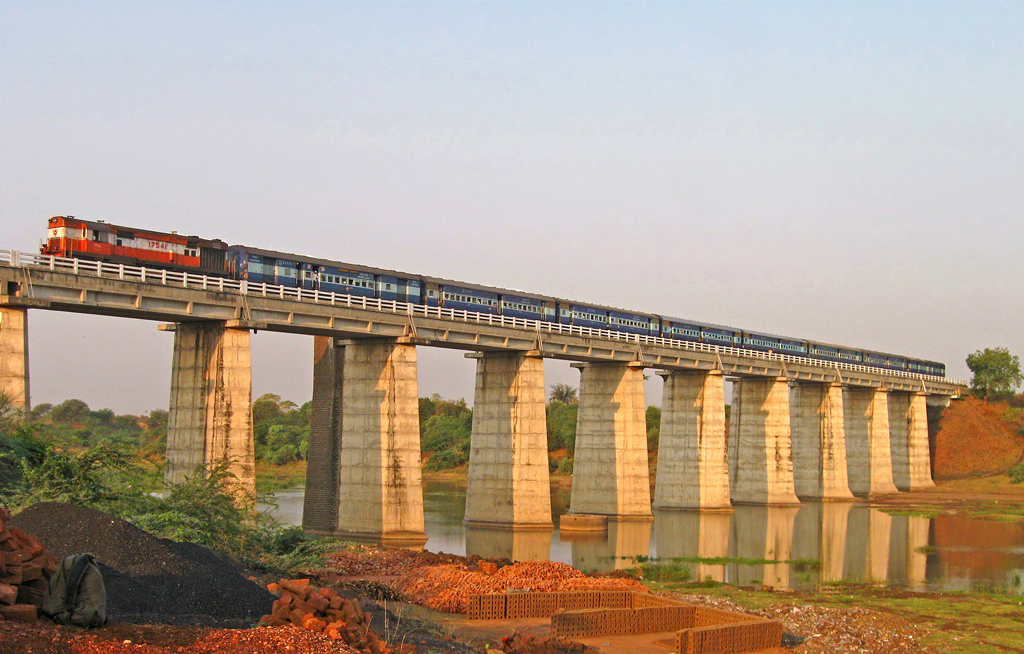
868, 454
14, 356
610, 474
380, 488
908, 439
323, 471
210, 416
819, 442
508, 460
760, 449
693, 467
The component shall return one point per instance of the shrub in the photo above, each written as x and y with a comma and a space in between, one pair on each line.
446, 459
1016, 473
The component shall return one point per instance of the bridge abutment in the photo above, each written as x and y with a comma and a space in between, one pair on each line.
610, 473
14, 356
508, 461
210, 416
760, 447
380, 488
693, 470
908, 436
819, 442
868, 453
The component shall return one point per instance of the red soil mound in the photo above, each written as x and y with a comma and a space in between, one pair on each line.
975, 438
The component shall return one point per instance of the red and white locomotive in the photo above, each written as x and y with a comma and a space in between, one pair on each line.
69, 237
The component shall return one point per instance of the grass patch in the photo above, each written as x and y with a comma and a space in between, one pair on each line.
270, 478
913, 513
724, 560
967, 623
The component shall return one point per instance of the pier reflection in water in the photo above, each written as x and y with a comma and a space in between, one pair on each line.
783, 547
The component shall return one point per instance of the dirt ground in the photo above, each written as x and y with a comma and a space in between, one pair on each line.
971, 438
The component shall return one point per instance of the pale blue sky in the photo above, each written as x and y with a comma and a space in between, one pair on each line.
848, 172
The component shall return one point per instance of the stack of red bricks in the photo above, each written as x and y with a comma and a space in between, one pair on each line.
324, 611
25, 570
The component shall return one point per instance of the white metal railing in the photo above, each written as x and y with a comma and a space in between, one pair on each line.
222, 284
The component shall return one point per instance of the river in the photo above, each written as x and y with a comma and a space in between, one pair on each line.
782, 547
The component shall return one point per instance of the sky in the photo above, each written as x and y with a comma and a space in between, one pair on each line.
849, 172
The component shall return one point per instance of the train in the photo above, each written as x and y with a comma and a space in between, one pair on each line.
98, 240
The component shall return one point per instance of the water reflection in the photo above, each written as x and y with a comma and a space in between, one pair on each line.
761, 533
625, 540
694, 535
867, 545
784, 547
513, 544
820, 534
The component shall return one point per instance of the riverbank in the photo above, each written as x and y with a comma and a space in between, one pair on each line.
830, 618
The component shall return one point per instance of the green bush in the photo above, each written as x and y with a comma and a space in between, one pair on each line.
1016, 473
104, 476
202, 509
442, 432
561, 419
446, 459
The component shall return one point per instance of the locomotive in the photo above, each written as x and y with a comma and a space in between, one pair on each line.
70, 237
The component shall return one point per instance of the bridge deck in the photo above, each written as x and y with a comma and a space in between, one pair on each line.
80, 286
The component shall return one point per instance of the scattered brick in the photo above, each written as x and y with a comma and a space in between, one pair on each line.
20, 612
323, 611
25, 570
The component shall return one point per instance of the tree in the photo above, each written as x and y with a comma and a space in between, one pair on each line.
563, 393
561, 419
653, 416
996, 371
69, 412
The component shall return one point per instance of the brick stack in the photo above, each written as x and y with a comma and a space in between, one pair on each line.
25, 570
324, 611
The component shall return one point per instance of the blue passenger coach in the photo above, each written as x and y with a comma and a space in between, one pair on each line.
718, 335
680, 330
835, 353
582, 316
633, 323
530, 308
776, 344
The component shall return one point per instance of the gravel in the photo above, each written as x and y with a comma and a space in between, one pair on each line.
150, 580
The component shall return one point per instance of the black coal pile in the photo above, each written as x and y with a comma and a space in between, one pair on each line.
150, 580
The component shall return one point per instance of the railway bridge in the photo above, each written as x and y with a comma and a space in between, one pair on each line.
799, 428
